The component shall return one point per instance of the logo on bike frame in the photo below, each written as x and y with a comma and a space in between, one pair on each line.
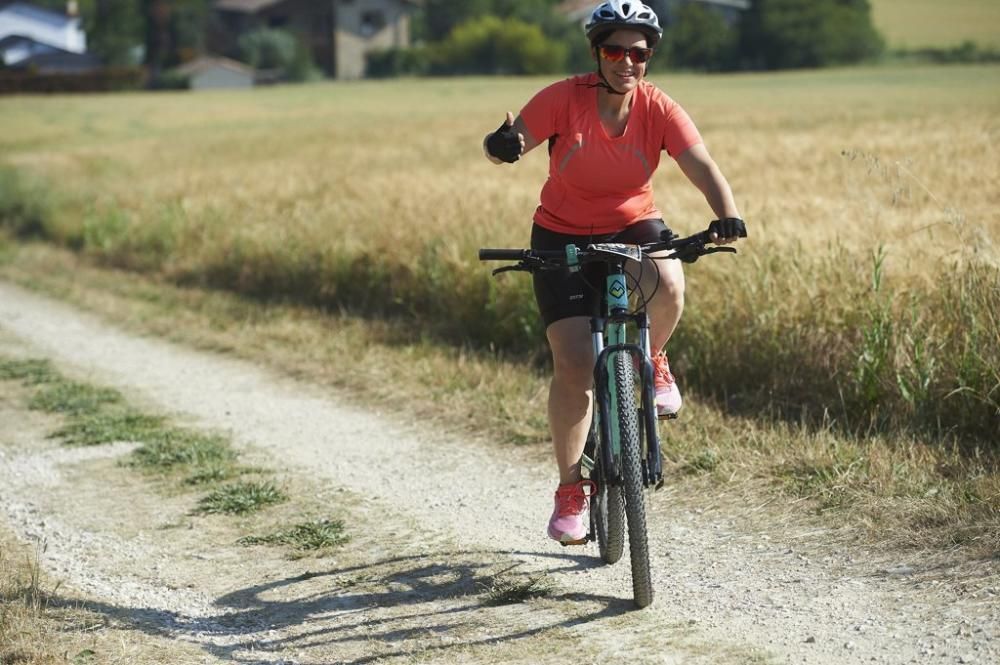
617, 289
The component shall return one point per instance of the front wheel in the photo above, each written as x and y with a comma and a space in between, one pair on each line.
631, 465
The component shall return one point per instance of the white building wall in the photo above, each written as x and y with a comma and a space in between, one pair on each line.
220, 77
66, 33
354, 37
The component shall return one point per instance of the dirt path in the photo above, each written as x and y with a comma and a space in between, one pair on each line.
432, 516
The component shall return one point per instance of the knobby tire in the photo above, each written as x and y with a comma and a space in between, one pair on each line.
634, 490
609, 504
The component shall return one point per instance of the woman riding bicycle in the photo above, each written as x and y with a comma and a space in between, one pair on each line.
605, 131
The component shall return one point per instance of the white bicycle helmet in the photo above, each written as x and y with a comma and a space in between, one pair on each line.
624, 14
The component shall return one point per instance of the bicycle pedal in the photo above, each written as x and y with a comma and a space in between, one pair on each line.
582, 541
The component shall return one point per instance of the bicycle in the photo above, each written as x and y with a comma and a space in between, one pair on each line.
622, 453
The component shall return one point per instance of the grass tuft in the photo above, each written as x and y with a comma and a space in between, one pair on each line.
315, 535
25, 203
22, 605
703, 461
211, 474
241, 498
507, 589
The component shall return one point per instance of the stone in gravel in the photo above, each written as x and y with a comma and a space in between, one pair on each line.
901, 569
810, 640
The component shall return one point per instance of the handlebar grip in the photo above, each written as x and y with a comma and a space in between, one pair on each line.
502, 254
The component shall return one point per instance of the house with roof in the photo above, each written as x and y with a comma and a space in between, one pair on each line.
338, 33
30, 35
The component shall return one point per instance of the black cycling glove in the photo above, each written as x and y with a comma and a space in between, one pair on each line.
728, 227
504, 143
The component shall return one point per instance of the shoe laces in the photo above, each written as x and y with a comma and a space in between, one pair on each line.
570, 499
661, 369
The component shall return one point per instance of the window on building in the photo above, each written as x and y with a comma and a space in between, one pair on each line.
371, 22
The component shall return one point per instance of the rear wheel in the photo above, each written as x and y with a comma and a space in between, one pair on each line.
631, 465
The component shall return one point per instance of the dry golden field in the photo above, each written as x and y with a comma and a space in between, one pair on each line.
867, 288
930, 23
866, 156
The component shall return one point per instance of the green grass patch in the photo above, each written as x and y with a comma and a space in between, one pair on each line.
212, 473
32, 371
109, 427
307, 536
168, 448
241, 498
73, 398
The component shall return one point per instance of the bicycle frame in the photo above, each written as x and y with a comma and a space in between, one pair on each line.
609, 335
622, 451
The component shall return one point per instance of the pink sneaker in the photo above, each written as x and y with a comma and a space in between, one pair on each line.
668, 397
568, 523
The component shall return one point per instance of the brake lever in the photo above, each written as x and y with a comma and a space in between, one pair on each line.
713, 250
691, 253
519, 267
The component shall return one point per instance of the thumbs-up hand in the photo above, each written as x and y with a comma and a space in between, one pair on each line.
505, 144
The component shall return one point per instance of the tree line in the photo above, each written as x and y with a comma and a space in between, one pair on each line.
529, 36
514, 36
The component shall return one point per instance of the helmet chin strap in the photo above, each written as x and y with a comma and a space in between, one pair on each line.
604, 82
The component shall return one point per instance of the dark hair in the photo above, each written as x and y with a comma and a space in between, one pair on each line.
598, 37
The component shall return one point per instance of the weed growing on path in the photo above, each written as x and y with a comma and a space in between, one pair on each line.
241, 498
307, 536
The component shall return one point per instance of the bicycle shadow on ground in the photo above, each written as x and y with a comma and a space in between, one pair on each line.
353, 615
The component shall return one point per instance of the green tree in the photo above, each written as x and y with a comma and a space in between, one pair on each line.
437, 18
809, 33
491, 45
114, 30
699, 38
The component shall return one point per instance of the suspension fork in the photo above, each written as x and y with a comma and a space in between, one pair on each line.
611, 329
605, 354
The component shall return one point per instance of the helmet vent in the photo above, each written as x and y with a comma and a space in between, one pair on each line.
626, 9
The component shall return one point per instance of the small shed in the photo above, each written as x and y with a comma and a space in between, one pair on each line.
213, 72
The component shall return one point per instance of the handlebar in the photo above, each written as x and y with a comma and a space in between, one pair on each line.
684, 249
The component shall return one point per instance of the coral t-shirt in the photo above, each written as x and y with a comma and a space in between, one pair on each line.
599, 184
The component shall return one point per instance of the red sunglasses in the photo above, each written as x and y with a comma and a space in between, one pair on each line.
614, 53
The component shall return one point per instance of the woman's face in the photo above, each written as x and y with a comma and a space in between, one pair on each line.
625, 74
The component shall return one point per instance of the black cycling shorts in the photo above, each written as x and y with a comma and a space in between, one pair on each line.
561, 294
